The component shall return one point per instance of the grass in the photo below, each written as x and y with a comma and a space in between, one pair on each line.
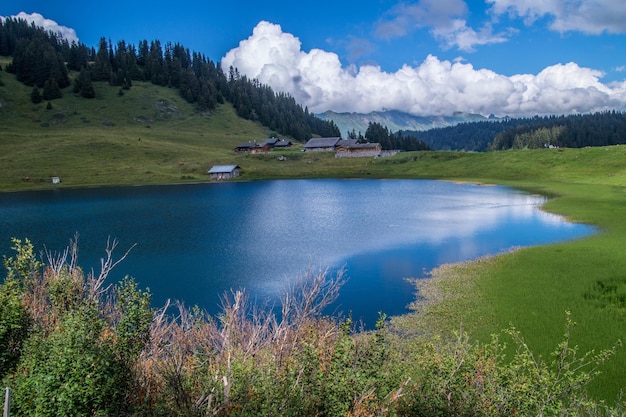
532, 288
150, 135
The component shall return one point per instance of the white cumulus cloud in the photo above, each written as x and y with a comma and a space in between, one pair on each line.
316, 79
587, 16
48, 24
445, 19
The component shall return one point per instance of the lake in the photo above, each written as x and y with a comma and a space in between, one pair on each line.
194, 242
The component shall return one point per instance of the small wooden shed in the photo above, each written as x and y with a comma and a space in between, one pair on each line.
252, 147
358, 149
224, 172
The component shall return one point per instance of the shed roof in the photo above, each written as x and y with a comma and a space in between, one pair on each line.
270, 141
221, 169
368, 145
282, 143
322, 142
347, 142
248, 145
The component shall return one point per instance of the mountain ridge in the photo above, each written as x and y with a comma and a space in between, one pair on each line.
396, 120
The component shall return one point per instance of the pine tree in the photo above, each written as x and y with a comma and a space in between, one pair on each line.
35, 96
83, 84
51, 90
79, 57
102, 64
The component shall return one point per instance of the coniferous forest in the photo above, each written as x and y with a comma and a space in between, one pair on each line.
572, 131
380, 134
43, 60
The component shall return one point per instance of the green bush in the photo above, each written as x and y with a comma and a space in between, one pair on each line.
14, 325
73, 345
74, 370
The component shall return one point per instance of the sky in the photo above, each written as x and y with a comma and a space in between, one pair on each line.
427, 57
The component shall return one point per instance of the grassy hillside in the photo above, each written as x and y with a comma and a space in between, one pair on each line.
147, 135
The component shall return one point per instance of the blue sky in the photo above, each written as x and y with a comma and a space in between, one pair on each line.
516, 57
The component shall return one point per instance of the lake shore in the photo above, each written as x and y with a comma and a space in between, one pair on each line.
533, 288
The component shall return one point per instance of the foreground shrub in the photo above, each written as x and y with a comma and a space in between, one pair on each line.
465, 379
77, 348
248, 361
83, 340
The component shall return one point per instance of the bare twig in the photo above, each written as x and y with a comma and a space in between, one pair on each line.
106, 266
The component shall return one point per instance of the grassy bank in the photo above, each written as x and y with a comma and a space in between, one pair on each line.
532, 288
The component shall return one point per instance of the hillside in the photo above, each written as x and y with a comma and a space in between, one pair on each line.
43, 60
148, 135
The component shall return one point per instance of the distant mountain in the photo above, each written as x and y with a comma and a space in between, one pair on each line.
396, 120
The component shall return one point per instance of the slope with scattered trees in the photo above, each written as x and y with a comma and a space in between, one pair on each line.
42, 59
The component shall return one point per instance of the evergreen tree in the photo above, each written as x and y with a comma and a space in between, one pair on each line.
380, 134
79, 56
51, 90
154, 63
102, 64
36, 60
35, 96
83, 84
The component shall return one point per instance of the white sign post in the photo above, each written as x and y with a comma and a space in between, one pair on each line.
7, 402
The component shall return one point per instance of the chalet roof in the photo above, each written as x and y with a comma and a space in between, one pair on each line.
223, 169
322, 142
347, 142
270, 141
368, 145
248, 145
282, 143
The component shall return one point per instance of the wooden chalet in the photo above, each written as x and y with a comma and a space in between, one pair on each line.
253, 147
224, 172
282, 144
270, 141
355, 149
321, 145
263, 147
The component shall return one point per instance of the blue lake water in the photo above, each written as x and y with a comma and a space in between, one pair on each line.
194, 242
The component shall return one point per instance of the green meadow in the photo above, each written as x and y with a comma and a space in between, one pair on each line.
149, 135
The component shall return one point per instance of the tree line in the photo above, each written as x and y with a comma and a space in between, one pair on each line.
44, 60
377, 133
573, 131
